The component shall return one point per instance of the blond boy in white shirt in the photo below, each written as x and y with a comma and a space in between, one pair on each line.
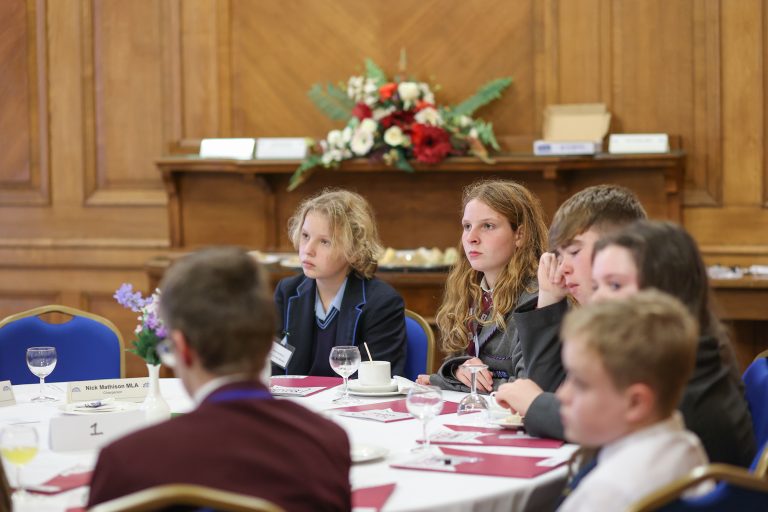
627, 363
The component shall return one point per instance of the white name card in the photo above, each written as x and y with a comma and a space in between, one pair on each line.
92, 431
127, 390
281, 148
240, 149
6, 394
638, 143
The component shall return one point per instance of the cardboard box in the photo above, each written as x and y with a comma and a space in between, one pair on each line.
576, 129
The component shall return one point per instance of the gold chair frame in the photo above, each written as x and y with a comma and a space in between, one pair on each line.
73, 312
430, 337
721, 472
161, 496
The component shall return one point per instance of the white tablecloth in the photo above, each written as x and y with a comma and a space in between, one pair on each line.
415, 490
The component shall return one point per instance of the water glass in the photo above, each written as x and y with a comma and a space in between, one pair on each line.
18, 445
474, 403
41, 361
424, 403
344, 360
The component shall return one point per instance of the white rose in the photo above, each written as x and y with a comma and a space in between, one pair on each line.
429, 116
381, 113
331, 156
393, 136
362, 142
346, 135
473, 133
334, 138
368, 125
465, 121
408, 91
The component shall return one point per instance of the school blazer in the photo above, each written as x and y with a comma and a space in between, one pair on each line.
371, 311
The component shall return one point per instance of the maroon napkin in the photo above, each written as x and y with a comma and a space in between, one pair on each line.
488, 464
63, 482
395, 405
497, 437
372, 497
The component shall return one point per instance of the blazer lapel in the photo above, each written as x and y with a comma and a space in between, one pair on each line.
301, 313
352, 305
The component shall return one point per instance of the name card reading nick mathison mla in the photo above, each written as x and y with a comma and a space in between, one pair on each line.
128, 390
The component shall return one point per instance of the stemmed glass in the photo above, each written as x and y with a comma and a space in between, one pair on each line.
18, 445
41, 361
344, 360
473, 403
424, 403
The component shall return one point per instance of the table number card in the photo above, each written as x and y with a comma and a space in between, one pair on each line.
87, 432
127, 390
6, 394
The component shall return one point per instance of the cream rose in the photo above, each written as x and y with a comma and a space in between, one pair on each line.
408, 91
394, 136
362, 142
429, 116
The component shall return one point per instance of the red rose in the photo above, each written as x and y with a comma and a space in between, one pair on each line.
430, 143
387, 90
362, 111
421, 105
400, 118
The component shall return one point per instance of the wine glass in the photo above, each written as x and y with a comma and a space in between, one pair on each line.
344, 360
424, 403
18, 445
473, 403
41, 361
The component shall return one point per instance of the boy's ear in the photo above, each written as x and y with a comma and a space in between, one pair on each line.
184, 351
641, 403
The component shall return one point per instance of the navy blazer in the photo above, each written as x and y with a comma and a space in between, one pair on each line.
371, 311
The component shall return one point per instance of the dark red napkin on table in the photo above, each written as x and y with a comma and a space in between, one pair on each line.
372, 497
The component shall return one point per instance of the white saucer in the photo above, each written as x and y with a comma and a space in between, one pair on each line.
375, 393
77, 408
367, 452
355, 386
510, 421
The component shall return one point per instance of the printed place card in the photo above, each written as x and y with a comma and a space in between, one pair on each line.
127, 390
289, 391
239, 149
6, 394
87, 432
382, 415
281, 148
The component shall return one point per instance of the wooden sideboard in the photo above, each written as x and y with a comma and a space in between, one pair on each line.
246, 202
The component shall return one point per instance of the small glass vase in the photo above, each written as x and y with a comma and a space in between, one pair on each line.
155, 407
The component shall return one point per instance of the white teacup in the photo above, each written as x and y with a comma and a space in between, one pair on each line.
374, 373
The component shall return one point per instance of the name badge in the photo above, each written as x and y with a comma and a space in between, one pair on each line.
127, 390
6, 394
282, 353
92, 431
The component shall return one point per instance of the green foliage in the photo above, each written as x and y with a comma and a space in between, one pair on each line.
375, 73
486, 135
144, 346
332, 101
486, 94
304, 170
402, 163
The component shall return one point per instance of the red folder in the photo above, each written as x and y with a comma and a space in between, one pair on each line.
307, 382
63, 482
395, 405
497, 437
372, 497
488, 464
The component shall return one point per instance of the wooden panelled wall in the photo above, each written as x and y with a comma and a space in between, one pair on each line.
92, 91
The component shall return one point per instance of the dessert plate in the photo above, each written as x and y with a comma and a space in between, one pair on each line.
367, 452
510, 421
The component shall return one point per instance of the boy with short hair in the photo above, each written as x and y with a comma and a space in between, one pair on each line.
628, 362
578, 223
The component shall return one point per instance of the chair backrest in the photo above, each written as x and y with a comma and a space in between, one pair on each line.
756, 388
187, 495
421, 345
736, 489
87, 345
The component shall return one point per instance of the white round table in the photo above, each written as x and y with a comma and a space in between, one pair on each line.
415, 490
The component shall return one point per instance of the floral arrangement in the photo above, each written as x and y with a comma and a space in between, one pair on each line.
397, 121
150, 331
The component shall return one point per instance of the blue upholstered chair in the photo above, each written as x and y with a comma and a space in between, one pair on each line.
756, 386
421, 345
88, 346
736, 489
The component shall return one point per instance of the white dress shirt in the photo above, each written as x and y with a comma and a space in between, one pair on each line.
636, 465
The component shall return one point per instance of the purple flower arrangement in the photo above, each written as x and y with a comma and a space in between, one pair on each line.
150, 330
